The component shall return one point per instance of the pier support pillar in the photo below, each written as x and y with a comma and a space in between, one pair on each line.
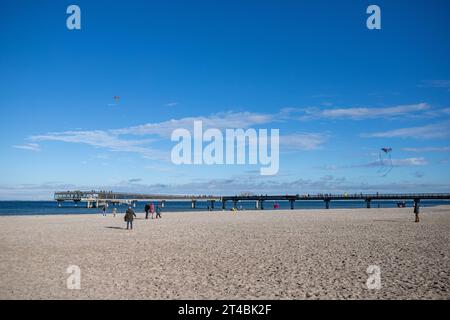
327, 203
193, 204
257, 204
212, 204
235, 202
261, 204
224, 204
292, 204
368, 203
417, 209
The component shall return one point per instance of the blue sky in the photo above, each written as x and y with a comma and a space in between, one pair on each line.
337, 91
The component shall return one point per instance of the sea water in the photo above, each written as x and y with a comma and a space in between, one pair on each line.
51, 207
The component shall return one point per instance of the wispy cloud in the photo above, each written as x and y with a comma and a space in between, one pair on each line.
219, 120
119, 139
29, 146
445, 84
303, 141
171, 104
437, 130
102, 139
359, 113
407, 162
427, 149
113, 139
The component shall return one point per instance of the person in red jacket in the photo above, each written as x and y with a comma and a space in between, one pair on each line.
152, 209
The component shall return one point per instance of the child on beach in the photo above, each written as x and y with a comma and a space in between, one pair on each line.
158, 211
129, 217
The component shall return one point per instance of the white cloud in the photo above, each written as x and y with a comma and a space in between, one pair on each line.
303, 141
445, 84
427, 149
115, 140
407, 162
102, 139
29, 146
437, 130
359, 113
220, 121
368, 113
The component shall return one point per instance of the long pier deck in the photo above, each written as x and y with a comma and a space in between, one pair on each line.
327, 198
102, 198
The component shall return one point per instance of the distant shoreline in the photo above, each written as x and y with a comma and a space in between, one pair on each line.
141, 213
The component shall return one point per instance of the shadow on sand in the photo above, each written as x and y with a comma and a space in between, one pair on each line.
117, 228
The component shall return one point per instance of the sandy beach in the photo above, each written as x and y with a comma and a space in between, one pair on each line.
300, 254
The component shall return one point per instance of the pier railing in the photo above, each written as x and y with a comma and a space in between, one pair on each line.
94, 199
109, 195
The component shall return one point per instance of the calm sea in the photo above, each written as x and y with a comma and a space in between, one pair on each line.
50, 207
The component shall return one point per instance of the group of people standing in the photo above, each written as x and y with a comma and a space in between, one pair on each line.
129, 216
150, 208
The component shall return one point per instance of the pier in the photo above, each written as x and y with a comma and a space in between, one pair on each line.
95, 199
327, 198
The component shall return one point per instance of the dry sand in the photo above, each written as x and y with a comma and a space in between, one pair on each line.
314, 254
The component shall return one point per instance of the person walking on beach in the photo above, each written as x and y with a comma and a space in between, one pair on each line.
114, 212
416, 211
104, 210
152, 209
147, 210
158, 211
129, 217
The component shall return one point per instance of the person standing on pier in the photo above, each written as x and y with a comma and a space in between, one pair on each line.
129, 217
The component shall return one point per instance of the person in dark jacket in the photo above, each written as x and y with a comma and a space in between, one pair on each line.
417, 211
129, 217
147, 210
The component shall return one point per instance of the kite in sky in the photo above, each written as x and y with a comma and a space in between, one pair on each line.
385, 161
